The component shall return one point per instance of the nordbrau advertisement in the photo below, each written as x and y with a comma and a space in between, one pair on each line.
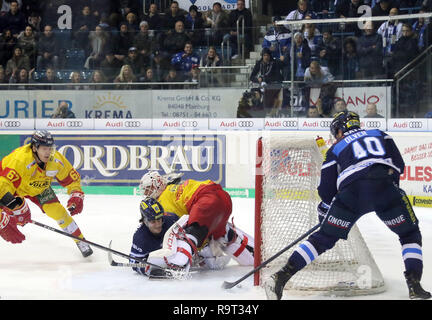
121, 160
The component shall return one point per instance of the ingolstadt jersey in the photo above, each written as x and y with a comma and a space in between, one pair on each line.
352, 157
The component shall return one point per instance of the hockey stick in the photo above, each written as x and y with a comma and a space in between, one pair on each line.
120, 264
95, 244
229, 285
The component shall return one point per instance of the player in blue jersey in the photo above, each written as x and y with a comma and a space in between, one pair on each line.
149, 236
360, 174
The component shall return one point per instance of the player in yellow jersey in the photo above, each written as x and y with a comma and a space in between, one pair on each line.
27, 173
208, 208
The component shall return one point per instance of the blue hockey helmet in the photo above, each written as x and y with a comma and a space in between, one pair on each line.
42, 138
151, 209
345, 121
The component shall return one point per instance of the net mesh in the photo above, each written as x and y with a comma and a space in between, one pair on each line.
291, 171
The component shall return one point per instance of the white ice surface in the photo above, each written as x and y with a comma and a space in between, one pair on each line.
48, 265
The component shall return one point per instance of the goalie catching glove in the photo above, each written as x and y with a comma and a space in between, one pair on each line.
76, 202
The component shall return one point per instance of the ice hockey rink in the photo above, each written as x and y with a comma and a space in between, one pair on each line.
48, 265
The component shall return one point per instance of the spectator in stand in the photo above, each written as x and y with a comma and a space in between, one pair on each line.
153, 18
184, 60
7, 45
317, 75
371, 111
240, 11
419, 28
313, 112
149, 77
14, 19
49, 76
301, 12
47, 50
34, 20
6, 5
99, 43
63, 112
369, 49
322, 6
28, 42
3, 78
97, 76
267, 72
143, 42
194, 26
329, 49
75, 79
405, 49
302, 58
110, 66
123, 42
351, 66
211, 59
173, 15
17, 62
160, 65
427, 5
349, 9
173, 76
125, 75
194, 77
176, 40
382, 8
339, 106
121, 9
390, 32
136, 62
132, 22
82, 25
217, 20
19, 76
313, 37
277, 39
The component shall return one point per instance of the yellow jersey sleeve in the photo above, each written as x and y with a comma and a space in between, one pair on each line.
65, 173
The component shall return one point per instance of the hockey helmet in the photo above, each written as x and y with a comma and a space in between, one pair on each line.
42, 138
152, 184
345, 121
151, 209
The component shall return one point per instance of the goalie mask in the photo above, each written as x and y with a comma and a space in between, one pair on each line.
152, 184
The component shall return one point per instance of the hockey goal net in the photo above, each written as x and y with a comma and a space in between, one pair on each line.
286, 198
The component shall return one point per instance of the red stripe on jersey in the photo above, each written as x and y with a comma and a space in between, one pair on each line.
242, 246
66, 181
12, 176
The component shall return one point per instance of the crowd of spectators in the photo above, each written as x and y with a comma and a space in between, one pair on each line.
322, 53
120, 40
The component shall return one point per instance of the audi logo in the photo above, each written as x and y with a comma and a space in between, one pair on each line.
373, 124
12, 124
415, 124
189, 124
74, 124
245, 124
325, 124
289, 123
132, 124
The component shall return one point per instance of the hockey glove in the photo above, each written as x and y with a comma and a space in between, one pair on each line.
9, 230
322, 211
21, 212
76, 202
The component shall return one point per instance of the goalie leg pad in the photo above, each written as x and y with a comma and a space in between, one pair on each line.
238, 245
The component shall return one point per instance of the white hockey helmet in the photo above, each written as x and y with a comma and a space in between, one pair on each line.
152, 184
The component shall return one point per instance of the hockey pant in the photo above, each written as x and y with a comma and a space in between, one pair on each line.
51, 206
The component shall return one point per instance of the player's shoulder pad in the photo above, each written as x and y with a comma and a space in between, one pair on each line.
170, 216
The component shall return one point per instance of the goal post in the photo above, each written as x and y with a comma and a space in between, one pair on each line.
287, 175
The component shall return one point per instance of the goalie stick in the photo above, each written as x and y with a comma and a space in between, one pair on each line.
229, 285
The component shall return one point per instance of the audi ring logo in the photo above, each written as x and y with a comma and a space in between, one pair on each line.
12, 124
289, 123
74, 124
132, 124
373, 124
189, 124
325, 124
415, 124
245, 124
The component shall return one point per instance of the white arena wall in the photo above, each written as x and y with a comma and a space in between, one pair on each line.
413, 137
